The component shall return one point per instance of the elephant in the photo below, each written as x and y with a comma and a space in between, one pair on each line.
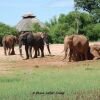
76, 47
45, 37
8, 42
30, 40
95, 51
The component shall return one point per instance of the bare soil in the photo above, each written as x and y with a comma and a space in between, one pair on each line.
55, 57
8, 63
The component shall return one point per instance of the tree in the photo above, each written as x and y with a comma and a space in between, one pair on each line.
91, 6
92, 32
67, 25
37, 28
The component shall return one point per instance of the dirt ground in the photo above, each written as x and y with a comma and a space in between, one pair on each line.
56, 56
15, 61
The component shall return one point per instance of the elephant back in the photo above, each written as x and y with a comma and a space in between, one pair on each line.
80, 42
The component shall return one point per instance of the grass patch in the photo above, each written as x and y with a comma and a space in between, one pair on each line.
81, 82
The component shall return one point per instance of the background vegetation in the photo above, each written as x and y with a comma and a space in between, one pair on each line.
75, 22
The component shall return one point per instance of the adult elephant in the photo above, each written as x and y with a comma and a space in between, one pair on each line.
31, 40
76, 47
8, 42
45, 37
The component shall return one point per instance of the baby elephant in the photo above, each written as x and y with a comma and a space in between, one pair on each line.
8, 42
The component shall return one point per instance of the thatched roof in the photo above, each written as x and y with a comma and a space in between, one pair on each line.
30, 15
27, 21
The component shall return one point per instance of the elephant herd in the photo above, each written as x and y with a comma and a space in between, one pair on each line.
76, 47
30, 40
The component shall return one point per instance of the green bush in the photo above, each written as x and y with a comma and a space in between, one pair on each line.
92, 31
74, 22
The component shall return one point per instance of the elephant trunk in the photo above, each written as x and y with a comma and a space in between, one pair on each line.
20, 49
66, 48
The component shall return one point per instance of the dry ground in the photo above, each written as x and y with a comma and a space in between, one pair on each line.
15, 61
55, 57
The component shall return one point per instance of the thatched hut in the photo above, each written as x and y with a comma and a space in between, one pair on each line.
26, 24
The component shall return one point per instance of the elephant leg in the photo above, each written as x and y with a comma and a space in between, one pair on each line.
30, 51
78, 56
82, 57
36, 50
26, 50
86, 55
13, 51
20, 47
5, 52
70, 52
48, 49
9, 50
74, 55
65, 55
42, 51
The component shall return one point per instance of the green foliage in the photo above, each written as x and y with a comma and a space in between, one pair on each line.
97, 28
69, 24
92, 6
92, 31
5, 30
71, 31
37, 28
